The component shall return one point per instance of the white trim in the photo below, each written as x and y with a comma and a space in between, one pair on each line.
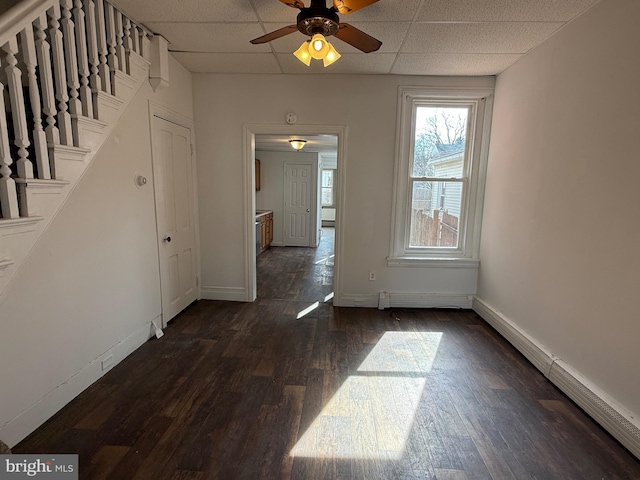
35, 415
358, 300
479, 100
249, 131
603, 410
537, 354
424, 300
469, 263
232, 294
619, 422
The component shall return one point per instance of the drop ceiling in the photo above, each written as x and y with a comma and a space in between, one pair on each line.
419, 37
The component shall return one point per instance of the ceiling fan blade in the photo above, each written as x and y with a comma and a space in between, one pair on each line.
357, 38
281, 32
293, 3
349, 6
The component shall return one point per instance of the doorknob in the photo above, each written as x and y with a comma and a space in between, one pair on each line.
308, 210
167, 239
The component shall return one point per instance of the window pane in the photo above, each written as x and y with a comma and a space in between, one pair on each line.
435, 214
327, 197
439, 142
327, 178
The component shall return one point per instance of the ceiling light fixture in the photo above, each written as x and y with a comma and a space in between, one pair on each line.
317, 48
297, 144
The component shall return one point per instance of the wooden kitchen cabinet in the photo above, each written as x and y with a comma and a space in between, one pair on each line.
266, 229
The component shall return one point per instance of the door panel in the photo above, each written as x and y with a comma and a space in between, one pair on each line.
173, 186
297, 209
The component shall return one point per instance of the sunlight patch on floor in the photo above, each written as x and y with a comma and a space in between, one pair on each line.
408, 352
308, 310
371, 415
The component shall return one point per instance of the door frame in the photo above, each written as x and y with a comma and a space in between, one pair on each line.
160, 111
249, 131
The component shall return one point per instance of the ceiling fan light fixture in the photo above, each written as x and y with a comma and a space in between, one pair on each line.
331, 56
318, 47
297, 144
302, 53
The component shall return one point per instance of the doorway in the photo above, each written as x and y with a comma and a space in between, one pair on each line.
256, 140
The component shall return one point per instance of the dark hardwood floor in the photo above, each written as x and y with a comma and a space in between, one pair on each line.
287, 388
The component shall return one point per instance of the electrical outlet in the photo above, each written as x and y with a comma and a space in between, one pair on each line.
372, 275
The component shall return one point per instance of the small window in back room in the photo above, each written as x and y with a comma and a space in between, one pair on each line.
328, 193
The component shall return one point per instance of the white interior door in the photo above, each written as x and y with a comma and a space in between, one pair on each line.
298, 215
173, 187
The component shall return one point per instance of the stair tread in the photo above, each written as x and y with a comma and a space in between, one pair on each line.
43, 182
17, 222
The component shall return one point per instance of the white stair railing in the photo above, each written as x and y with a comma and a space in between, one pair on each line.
57, 58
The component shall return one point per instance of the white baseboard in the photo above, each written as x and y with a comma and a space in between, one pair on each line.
30, 419
424, 300
604, 410
405, 300
537, 354
232, 294
356, 300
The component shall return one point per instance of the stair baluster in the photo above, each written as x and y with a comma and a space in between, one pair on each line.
111, 41
60, 76
71, 63
135, 39
83, 59
43, 51
8, 191
30, 60
120, 52
128, 44
18, 111
105, 75
92, 49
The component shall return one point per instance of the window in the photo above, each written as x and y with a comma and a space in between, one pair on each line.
438, 185
328, 192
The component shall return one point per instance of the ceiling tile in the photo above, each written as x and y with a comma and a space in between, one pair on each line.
448, 64
275, 11
210, 37
385, 11
358, 63
500, 37
188, 10
228, 62
502, 10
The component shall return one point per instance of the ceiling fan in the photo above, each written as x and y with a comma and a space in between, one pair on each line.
317, 21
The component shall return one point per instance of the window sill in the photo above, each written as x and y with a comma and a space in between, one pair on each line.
426, 262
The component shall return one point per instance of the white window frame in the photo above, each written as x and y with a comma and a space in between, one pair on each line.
480, 102
333, 187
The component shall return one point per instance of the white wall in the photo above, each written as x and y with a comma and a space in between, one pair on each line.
90, 287
366, 105
559, 255
271, 194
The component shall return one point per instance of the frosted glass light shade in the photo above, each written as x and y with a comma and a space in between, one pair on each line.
302, 53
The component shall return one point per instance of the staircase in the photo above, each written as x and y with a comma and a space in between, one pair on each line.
68, 69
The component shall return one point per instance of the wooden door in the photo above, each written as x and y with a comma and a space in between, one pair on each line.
173, 187
298, 190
